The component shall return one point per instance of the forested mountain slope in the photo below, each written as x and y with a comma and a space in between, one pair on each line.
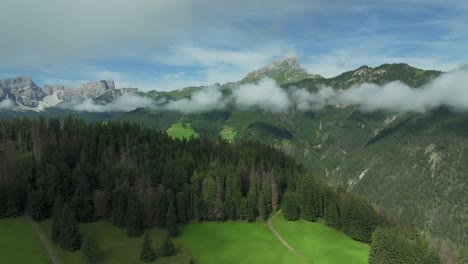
411, 163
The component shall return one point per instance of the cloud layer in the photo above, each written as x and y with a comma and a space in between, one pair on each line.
125, 103
450, 90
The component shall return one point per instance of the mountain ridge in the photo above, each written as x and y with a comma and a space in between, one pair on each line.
285, 72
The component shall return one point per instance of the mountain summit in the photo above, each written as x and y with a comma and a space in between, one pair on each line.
283, 71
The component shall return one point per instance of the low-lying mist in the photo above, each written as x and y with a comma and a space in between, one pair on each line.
449, 89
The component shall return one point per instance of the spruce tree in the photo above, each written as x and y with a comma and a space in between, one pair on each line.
332, 217
36, 206
262, 209
56, 217
82, 200
168, 247
13, 202
89, 250
148, 254
290, 208
120, 203
171, 221
3, 201
70, 238
134, 221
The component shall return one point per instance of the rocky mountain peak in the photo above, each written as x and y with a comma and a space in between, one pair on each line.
22, 90
282, 71
94, 89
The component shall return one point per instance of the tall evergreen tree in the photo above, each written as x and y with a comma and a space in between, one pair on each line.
332, 217
148, 254
12, 201
252, 200
290, 208
36, 206
70, 238
262, 207
56, 218
3, 201
89, 250
120, 203
171, 220
168, 248
134, 217
308, 199
82, 200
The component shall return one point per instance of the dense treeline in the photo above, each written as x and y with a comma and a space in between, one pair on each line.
139, 178
400, 246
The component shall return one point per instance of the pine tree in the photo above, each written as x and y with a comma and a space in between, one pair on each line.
262, 208
290, 208
13, 202
171, 220
56, 217
36, 206
89, 250
3, 202
70, 238
134, 217
120, 203
168, 247
82, 200
148, 254
252, 200
308, 198
332, 217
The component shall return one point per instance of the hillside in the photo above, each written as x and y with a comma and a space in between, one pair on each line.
410, 163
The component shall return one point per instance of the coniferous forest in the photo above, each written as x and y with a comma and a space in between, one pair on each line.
138, 178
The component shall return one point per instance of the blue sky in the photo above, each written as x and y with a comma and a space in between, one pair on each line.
165, 45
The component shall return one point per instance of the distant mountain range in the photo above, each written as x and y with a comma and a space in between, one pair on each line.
28, 96
413, 163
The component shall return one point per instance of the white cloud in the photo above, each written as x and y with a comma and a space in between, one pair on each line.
7, 104
265, 95
125, 103
449, 89
208, 99
305, 100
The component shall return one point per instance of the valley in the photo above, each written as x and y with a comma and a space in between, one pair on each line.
397, 160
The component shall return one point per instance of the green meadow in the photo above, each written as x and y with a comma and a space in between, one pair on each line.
206, 243
317, 243
114, 247
228, 133
240, 242
234, 242
19, 243
179, 130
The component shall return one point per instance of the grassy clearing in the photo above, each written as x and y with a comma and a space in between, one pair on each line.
114, 246
228, 133
234, 242
318, 243
19, 243
178, 130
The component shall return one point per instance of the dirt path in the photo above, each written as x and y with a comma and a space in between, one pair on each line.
281, 239
43, 239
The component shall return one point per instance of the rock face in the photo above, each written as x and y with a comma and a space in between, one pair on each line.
282, 71
87, 90
22, 90
95, 88
28, 96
